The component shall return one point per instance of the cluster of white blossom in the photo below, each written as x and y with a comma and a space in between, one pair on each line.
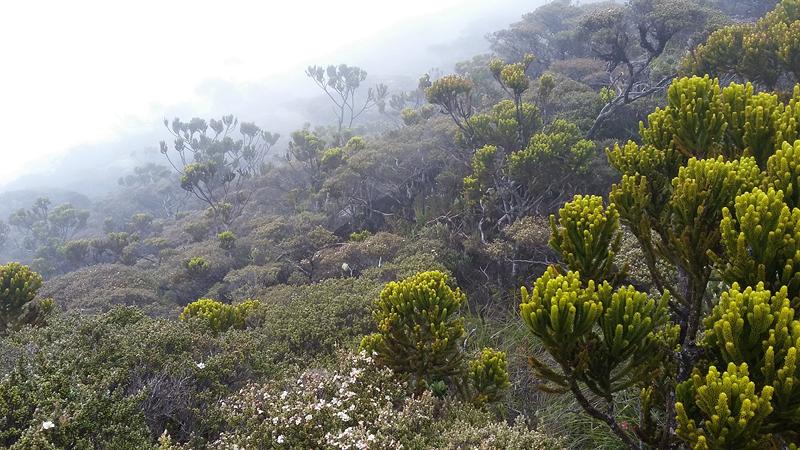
320, 409
362, 406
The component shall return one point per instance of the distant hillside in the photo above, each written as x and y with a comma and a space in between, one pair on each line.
11, 201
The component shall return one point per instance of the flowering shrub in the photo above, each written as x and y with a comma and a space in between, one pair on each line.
318, 409
119, 379
361, 405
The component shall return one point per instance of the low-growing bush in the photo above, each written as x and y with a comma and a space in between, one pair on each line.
420, 334
362, 405
312, 321
98, 288
119, 379
419, 328
197, 266
227, 240
248, 282
217, 316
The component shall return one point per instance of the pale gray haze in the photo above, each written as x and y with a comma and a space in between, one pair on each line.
85, 84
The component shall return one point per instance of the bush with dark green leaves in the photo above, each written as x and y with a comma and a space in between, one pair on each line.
118, 380
101, 287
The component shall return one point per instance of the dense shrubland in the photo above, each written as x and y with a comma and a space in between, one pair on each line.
571, 242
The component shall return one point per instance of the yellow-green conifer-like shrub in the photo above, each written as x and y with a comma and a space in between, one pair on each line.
217, 316
488, 374
227, 240
730, 412
419, 328
18, 287
596, 335
710, 195
587, 237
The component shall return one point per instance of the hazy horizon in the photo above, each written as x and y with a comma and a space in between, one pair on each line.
103, 87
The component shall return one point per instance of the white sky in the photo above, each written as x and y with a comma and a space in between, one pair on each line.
79, 71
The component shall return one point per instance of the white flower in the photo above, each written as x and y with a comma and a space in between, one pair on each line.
47, 424
201, 365
283, 395
345, 267
343, 416
280, 439
308, 417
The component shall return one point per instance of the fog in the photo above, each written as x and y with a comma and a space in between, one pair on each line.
90, 82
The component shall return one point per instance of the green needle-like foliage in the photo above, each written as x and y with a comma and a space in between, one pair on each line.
628, 323
742, 324
586, 236
765, 52
560, 311
550, 149
723, 411
197, 266
453, 94
512, 77
419, 328
783, 173
227, 240
762, 242
445, 90
18, 287
694, 117
520, 164
219, 317
596, 335
760, 329
711, 196
700, 192
488, 374
508, 125
752, 121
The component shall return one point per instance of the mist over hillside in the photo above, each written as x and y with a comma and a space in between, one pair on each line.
282, 102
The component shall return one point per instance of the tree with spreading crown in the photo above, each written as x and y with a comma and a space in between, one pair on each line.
214, 159
519, 165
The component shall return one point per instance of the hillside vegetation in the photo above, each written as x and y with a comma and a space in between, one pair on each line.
589, 238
